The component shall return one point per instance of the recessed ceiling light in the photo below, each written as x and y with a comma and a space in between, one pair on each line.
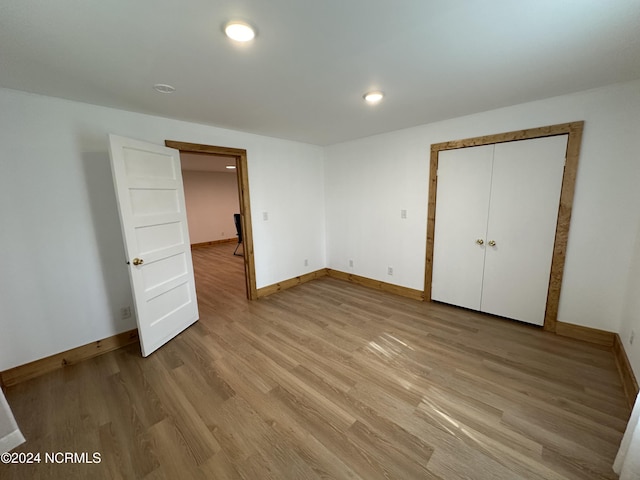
239, 31
231, 167
373, 97
164, 88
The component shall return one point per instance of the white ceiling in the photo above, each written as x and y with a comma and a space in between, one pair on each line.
303, 77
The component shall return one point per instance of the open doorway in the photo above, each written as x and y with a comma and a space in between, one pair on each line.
211, 197
237, 157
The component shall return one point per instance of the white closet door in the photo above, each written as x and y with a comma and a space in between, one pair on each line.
464, 180
525, 196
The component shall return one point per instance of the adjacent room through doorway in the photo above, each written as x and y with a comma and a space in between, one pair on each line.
204, 172
212, 203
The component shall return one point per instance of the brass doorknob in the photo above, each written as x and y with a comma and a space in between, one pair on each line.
137, 261
492, 243
480, 241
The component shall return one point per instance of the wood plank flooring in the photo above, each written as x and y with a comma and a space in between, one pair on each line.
329, 380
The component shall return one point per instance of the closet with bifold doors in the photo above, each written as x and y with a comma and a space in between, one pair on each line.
496, 214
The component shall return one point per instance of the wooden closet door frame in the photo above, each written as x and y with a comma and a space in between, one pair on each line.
574, 132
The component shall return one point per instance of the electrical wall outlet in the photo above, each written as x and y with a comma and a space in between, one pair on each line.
631, 337
265, 216
389, 270
125, 312
403, 214
306, 262
351, 263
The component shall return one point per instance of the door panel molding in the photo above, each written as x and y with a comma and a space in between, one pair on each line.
574, 132
240, 156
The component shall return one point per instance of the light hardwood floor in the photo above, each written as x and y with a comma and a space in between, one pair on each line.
329, 380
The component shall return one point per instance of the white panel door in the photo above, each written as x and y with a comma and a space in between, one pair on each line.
525, 196
150, 194
462, 201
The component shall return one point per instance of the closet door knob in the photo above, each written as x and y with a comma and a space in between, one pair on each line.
492, 243
480, 241
137, 261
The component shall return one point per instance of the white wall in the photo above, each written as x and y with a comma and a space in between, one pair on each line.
631, 310
369, 181
63, 276
289, 186
211, 199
